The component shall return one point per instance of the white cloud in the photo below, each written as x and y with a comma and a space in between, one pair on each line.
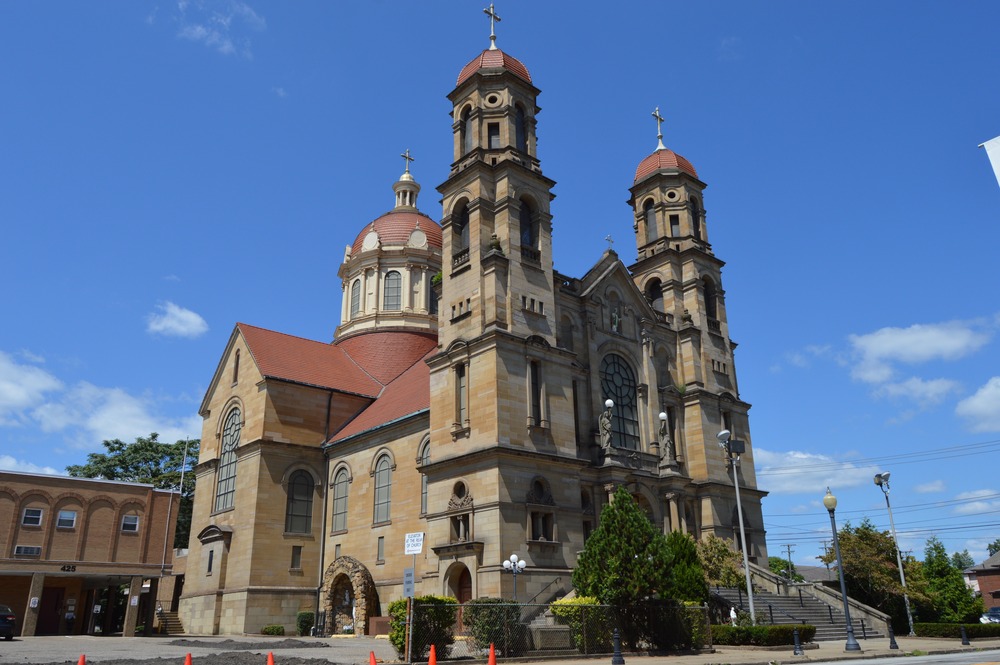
8, 463
930, 488
977, 501
219, 25
794, 472
279, 92
924, 392
983, 408
877, 351
22, 387
176, 321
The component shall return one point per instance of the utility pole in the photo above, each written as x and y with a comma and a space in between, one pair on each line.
788, 549
826, 548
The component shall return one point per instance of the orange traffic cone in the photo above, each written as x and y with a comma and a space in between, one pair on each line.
371, 658
433, 660
270, 658
187, 659
493, 656
82, 661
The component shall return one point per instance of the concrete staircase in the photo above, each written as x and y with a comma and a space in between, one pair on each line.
168, 623
799, 608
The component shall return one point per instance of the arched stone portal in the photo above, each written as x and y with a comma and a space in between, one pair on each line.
351, 599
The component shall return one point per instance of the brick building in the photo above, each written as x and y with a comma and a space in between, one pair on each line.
68, 544
493, 409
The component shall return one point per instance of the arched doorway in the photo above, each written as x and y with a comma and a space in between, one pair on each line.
351, 599
460, 586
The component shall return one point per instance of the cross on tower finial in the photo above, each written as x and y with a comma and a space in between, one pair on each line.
494, 19
659, 132
610, 241
406, 156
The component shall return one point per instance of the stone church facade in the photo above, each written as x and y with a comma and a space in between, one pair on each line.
472, 394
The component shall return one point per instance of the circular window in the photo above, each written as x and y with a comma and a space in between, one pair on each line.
459, 490
672, 195
493, 100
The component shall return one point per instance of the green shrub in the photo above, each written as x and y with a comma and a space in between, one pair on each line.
498, 622
972, 630
760, 636
433, 623
273, 629
589, 623
304, 622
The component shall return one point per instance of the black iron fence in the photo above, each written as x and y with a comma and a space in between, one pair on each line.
565, 629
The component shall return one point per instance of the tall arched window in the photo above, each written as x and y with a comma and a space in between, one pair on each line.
618, 384
425, 458
339, 501
298, 506
383, 489
649, 213
695, 218
529, 228
535, 392
225, 487
393, 298
461, 229
467, 131
711, 298
355, 298
520, 129
654, 294
236, 368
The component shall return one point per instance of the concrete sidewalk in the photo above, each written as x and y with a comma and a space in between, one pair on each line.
356, 650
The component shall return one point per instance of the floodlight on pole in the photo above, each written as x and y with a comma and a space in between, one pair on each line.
882, 481
734, 459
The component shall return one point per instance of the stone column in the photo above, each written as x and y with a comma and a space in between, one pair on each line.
30, 621
132, 606
671, 498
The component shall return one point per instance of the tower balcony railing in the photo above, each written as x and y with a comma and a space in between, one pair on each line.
532, 255
714, 326
460, 258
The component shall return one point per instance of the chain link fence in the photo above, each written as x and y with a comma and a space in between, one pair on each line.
563, 629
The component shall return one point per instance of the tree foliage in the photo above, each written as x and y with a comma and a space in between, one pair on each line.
993, 547
780, 566
952, 600
625, 558
720, 561
686, 580
962, 560
147, 460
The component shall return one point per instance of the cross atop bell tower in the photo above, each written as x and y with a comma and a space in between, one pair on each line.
494, 19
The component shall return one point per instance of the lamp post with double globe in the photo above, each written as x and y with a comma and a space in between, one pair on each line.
513, 565
830, 501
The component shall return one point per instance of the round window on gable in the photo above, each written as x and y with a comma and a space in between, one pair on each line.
672, 195
493, 100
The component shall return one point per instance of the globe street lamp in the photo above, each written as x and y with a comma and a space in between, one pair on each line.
513, 565
882, 480
830, 501
733, 450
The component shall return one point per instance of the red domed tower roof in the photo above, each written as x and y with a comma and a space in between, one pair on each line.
663, 159
395, 228
494, 58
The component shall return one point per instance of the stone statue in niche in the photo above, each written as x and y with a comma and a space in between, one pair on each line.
667, 444
604, 424
616, 321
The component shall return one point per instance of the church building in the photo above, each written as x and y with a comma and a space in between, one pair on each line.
472, 394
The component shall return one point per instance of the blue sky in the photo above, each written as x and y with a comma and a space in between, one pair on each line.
168, 169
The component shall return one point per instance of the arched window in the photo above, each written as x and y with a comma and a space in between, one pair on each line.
425, 458
529, 229
355, 298
461, 229
340, 501
467, 131
618, 384
520, 129
695, 218
649, 213
225, 487
711, 298
236, 368
535, 390
392, 299
298, 506
383, 489
654, 294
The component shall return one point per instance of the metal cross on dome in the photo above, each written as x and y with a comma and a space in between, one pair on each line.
659, 132
406, 156
494, 19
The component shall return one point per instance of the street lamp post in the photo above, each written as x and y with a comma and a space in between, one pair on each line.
513, 565
830, 501
882, 480
733, 455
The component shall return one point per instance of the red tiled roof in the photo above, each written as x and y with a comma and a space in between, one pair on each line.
395, 227
494, 59
663, 159
306, 361
387, 354
410, 393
